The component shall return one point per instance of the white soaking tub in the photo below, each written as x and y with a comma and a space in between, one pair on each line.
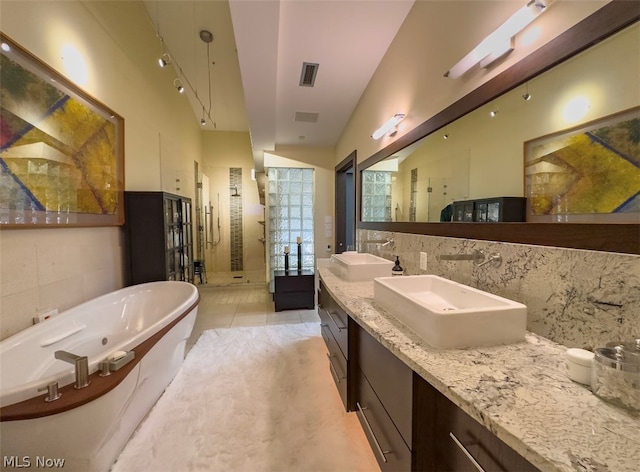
86, 428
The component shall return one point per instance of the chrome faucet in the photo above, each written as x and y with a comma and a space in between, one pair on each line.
494, 259
383, 242
82, 367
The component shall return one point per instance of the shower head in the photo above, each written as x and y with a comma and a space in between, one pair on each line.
235, 191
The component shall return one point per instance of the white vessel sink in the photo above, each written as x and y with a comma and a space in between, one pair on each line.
447, 314
358, 267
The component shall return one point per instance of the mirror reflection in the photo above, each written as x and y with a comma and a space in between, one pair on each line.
481, 155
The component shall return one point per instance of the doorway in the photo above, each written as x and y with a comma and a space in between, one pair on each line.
346, 204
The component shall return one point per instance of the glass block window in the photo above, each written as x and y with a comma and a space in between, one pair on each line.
376, 196
290, 213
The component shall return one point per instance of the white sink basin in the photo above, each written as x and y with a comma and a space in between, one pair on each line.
447, 314
358, 267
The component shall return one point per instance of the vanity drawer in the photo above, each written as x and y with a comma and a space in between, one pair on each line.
338, 369
337, 365
335, 318
386, 442
390, 378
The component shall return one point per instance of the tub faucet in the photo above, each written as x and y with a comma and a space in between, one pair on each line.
82, 367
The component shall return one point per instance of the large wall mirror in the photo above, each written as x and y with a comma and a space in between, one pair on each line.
465, 153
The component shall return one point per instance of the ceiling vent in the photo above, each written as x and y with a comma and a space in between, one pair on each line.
308, 74
304, 117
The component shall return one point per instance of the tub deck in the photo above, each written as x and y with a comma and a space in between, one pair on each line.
71, 397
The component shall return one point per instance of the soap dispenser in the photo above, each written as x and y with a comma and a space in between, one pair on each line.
397, 268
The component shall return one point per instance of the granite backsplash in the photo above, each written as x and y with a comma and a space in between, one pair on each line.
574, 297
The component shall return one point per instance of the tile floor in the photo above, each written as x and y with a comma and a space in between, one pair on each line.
241, 305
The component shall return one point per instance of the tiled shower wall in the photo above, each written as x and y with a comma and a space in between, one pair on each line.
235, 220
574, 297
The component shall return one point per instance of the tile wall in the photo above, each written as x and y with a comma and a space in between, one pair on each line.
58, 268
235, 220
574, 297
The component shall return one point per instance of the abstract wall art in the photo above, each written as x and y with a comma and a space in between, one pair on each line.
61, 151
589, 174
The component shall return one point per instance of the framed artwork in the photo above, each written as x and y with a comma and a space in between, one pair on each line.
589, 174
61, 150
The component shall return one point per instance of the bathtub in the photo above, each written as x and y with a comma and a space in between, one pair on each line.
85, 429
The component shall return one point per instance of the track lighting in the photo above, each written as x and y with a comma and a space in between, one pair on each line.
182, 82
164, 60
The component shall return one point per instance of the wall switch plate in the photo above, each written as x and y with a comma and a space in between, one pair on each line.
423, 260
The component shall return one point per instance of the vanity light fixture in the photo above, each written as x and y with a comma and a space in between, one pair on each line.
178, 85
500, 42
389, 127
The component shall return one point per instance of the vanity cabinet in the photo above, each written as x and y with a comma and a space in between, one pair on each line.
452, 441
411, 426
334, 324
384, 401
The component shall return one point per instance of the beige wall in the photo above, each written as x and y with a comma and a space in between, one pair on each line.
221, 151
410, 77
59, 268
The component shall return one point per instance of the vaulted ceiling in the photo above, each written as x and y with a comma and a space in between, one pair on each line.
256, 59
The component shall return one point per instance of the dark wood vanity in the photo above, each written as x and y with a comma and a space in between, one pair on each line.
409, 424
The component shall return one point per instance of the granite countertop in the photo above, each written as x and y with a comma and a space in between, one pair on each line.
520, 391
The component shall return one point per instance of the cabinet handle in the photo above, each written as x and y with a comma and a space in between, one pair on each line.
340, 328
333, 369
375, 440
466, 453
